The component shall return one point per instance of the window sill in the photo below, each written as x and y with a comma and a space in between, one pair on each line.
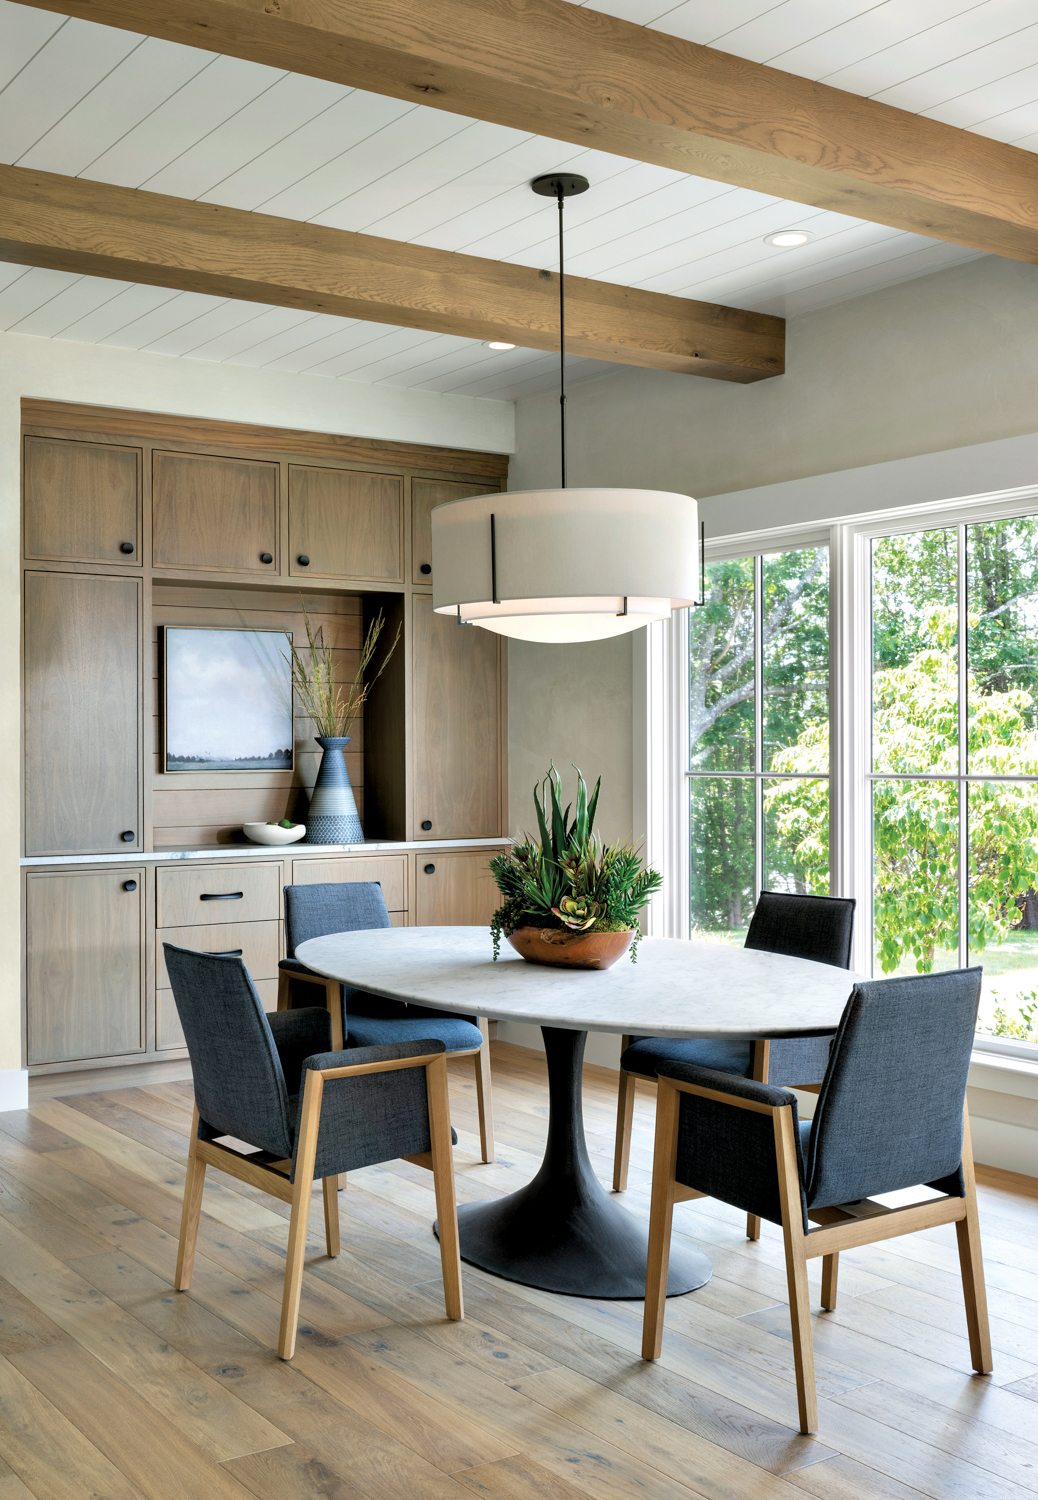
1003, 1073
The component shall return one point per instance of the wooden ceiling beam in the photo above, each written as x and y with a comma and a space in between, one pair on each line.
94, 229
568, 72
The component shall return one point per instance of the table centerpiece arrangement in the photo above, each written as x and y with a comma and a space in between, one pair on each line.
570, 901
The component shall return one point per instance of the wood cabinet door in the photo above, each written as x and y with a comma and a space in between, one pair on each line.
82, 720
426, 494
455, 890
84, 972
82, 502
457, 727
219, 515
349, 525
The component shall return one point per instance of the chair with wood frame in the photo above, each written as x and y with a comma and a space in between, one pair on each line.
819, 928
363, 1020
273, 1082
891, 1115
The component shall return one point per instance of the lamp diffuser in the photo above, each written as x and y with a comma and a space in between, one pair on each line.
565, 565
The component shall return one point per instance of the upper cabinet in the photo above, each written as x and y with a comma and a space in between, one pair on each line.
456, 692
425, 495
345, 524
216, 515
82, 713
82, 502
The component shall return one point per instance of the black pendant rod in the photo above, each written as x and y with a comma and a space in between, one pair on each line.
561, 195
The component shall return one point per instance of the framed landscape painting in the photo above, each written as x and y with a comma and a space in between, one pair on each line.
227, 699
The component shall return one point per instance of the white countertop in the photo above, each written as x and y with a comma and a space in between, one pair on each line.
261, 851
675, 988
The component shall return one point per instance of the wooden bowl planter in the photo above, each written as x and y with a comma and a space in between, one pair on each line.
562, 949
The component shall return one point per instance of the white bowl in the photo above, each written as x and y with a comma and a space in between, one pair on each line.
271, 833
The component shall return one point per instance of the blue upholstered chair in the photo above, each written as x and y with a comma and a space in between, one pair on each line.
891, 1114
273, 1082
819, 928
363, 1020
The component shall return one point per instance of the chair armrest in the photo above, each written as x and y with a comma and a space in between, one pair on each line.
294, 966
298, 1034
385, 1052
726, 1083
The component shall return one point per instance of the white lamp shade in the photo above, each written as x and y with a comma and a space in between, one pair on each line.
565, 565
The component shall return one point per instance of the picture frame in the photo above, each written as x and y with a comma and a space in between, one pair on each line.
227, 699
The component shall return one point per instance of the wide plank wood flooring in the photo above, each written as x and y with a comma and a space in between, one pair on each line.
115, 1387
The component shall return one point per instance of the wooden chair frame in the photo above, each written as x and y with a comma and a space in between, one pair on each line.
838, 1229
260, 1170
481, 1054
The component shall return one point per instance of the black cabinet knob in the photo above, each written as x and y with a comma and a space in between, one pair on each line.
126, 547
426, 825
425, 568
128, 837
129, 885
430, 869
303, 560
267, 557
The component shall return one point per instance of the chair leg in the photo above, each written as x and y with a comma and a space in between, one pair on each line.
661, 1217
484, 1097
761, 1062
443, 1184
302, 1192
752, 1227
284, 990
624, 1121
830, 1273
971, 1264
796, 1269
191, 1212
330, 1186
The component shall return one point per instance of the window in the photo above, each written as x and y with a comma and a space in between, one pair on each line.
759, 735
926, 809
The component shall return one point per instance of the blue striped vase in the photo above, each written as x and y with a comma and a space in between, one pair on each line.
333, 811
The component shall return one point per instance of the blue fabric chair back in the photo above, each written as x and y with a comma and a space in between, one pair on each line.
818, 928
313, 911
239, 1084
889, 1113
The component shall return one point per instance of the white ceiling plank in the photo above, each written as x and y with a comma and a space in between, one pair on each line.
705, 20
876, 278
296, 339
984, 65
294, 101
161, 322
25, 294
205, 101
24, 32
371, 356
109, 317
406, 187
941, 43
212, 317
248, 333
351, 335
983, 107
787, 26
471, 357
115, 107
74, 61
873, 31
10, 272
81, 297
381, 151
392, 364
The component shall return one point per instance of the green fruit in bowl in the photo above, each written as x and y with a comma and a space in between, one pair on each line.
286, 823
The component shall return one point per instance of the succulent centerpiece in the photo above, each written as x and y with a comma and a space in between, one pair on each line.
569, 899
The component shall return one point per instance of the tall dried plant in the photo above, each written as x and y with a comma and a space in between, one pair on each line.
333, 707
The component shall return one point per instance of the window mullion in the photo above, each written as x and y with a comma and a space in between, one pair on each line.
758, 722
963, 848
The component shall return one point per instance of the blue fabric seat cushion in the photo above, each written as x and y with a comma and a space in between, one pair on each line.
645, 1054
456, 1034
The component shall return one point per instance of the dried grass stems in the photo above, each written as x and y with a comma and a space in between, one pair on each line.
333, 706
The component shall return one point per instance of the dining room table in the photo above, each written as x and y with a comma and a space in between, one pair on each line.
563, 1232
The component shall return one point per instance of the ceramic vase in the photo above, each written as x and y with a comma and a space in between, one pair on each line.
333, 811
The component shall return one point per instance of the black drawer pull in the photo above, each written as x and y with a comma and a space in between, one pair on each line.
426, 826
224, 896
303, 560
425, 568
126, 547
267, 557
128, 837
228, 953
129, 885
430, 869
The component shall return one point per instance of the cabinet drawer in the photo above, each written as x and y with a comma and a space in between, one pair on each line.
260, 944
168, 1031
391, 875
217, 894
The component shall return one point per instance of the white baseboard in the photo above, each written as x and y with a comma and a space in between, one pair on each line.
14, 1088
1014, 1148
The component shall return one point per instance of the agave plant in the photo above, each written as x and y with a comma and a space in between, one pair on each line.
569, 879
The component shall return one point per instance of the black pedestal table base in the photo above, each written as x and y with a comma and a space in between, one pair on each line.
563, 1232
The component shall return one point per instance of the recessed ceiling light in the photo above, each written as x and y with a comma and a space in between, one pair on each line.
497, 344
786, 239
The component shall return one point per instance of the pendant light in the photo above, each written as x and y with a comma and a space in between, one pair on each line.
565, 564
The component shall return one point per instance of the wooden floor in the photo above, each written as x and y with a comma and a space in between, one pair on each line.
114, 1387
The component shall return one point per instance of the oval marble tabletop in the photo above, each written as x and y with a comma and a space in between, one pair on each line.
675, 988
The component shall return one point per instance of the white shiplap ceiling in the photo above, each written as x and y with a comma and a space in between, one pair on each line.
91, 101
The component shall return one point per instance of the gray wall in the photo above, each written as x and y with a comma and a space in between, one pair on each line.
940, 362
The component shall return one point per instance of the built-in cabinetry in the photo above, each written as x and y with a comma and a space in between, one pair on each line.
135, 521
